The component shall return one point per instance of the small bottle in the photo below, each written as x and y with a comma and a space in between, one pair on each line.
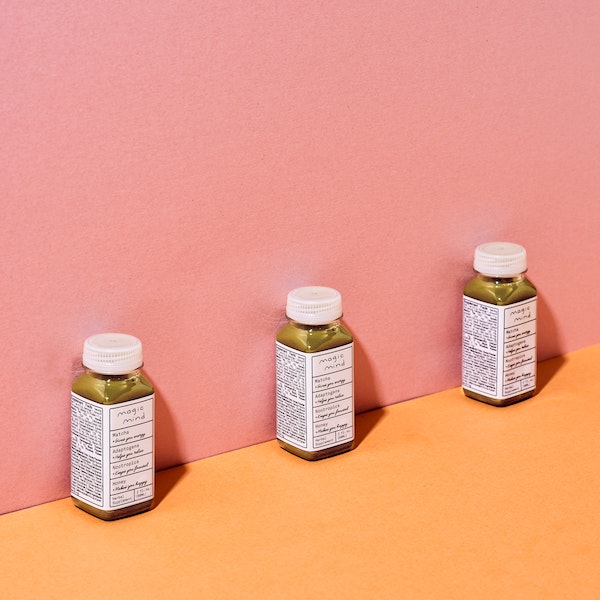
112, 430
499, 327
315, 376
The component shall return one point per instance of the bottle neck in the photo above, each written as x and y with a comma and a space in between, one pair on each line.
114, 376
512, 279
323, 327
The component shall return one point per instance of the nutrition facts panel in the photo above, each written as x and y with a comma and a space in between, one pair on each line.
315, 397
499, 347
112, 452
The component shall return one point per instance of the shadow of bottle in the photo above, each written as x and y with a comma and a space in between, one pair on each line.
169, 459
366, 395
550, 346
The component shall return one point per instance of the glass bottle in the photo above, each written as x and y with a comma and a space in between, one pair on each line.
315, 376
112, 430
499, 327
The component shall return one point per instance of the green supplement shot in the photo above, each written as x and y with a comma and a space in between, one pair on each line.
315, 376
112, 430
499, 352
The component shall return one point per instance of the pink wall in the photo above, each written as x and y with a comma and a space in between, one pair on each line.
171, 170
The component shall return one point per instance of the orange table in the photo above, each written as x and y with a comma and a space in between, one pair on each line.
444, 497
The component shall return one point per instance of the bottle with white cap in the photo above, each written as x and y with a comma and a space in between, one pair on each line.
499, 351
315, 376
112, 429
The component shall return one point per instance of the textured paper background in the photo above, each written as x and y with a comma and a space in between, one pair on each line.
171, 171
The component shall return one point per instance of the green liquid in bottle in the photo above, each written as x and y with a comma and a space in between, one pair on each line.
500, 291
109, 390
309, 339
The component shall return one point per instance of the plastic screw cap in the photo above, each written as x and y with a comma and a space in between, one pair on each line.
314, 305
500, 259
112, 353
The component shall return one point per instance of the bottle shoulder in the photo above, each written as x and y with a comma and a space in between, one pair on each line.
112, 389
307, 338
500, 291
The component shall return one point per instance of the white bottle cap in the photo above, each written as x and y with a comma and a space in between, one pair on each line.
500, 259
314, 305
112, 353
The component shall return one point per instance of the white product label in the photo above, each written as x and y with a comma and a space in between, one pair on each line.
499, 348
315, 397
112, 452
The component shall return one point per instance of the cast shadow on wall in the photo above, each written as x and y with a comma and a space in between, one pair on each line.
168, 451
365, 394
549, 344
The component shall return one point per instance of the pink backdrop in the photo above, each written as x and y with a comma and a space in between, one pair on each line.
171, 170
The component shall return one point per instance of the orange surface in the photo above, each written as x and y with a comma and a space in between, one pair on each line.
444, 497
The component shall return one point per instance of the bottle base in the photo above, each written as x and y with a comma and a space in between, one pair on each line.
317, 454
113, 515
495, 401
